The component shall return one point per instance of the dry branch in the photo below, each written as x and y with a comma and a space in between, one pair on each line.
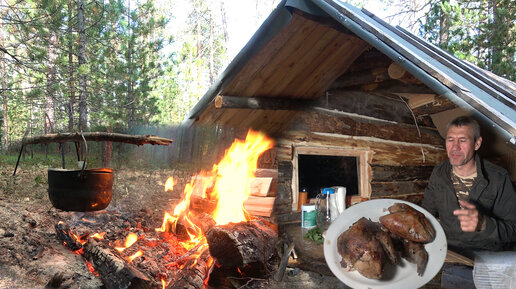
98, 136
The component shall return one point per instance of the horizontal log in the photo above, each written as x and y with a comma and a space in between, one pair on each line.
265, 103
416, 198
393, 189
368, 60
347, 125
113, 271
400, 173
192, 276
438, 104
248, 246
384, 152
367, 104
375, 75
98, 136
394, 86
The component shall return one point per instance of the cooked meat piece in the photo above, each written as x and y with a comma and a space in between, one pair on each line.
408, 223
415, 253
361, 250
382, 235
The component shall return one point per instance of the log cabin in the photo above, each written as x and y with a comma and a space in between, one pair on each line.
353, 101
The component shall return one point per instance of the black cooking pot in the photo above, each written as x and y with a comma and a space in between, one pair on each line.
80, 190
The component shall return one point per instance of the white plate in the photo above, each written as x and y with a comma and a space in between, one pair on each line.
403, 275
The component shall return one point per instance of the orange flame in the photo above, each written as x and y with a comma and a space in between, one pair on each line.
129, 241
98, 236
91, 268
169, 184
226, 184
233, 173
134, 256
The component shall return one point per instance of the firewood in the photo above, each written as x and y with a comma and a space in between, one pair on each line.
249, 247
65, 234
113, 271
259, 206
192, 276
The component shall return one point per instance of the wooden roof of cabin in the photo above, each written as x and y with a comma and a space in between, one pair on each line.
299, 57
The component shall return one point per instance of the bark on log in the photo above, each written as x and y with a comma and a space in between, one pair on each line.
267, 103
64, 234
247, 246
113, 271
98, 136
375, 75
192, 276
203, 221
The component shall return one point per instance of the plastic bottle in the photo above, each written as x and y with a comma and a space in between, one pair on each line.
308, 218
326, 208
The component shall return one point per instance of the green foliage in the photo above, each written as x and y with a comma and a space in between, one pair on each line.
314, 235
482, 32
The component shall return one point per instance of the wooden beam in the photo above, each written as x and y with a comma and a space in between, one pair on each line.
262, 103
98, 136
365, 77
397, 87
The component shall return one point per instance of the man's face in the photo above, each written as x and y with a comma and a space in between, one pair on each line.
461, 145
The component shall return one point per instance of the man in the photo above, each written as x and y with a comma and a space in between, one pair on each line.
473, 198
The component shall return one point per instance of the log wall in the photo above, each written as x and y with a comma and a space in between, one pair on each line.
399, 156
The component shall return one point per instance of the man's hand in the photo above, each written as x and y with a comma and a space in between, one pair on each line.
470, 219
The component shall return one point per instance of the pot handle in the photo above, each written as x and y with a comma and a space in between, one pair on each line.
85, 155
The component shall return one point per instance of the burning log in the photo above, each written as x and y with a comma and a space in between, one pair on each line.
194, 275
69, 239
114, 271
249, 247
203, 221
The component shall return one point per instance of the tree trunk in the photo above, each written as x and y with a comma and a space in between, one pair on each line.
71, 80
130, 96
443, 29
109, 150
5, 140
83, 106
50, 91
212, 50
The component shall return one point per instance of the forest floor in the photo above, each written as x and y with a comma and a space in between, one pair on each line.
30, 253
31, 256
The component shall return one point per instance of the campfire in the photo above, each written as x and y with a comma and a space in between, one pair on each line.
207, 237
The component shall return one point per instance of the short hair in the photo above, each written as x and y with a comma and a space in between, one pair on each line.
465, 121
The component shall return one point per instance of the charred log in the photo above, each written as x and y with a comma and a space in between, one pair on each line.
193, 274
203, 222
114, 271
69, 239
249, 247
